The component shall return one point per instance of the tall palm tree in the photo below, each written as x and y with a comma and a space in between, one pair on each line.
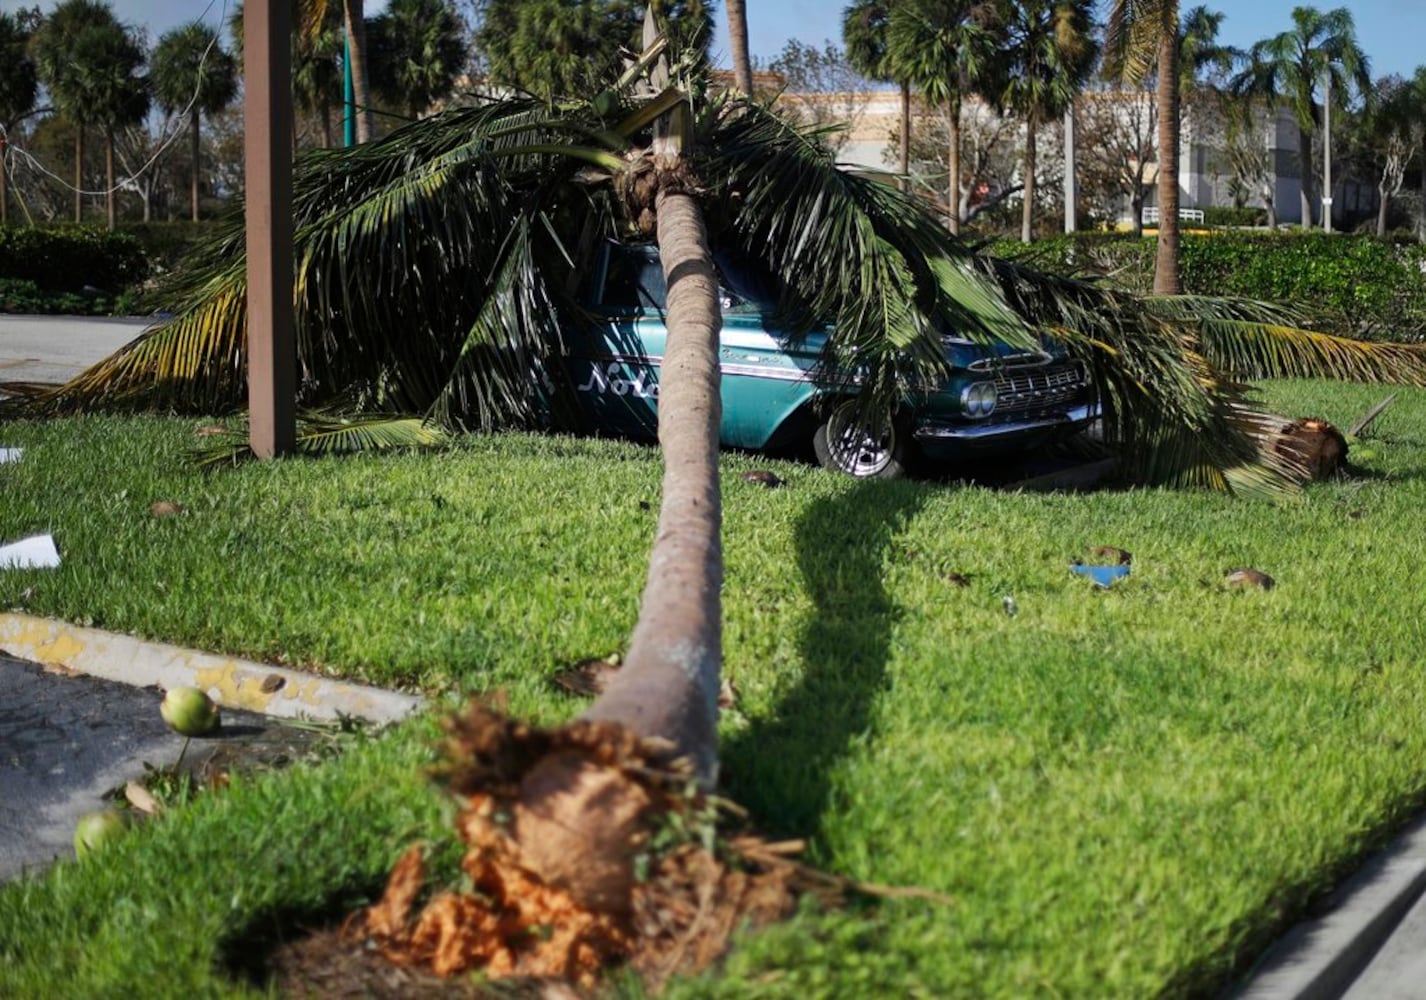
66, 66
1416, 86
945, 49
738, 44
1047, 53
113, 92
1142, 37
865, 28
19, 88
192, 71
1320, 49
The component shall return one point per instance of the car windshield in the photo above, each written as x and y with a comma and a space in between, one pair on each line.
748, 287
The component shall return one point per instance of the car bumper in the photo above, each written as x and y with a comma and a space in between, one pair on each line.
943, 440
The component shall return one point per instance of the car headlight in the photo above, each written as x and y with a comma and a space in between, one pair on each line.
978, 399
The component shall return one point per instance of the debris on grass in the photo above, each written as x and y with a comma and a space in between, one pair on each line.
763, 477
166, 508
35, 552
1248, 577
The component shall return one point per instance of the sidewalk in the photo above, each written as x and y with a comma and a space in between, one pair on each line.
1369, 943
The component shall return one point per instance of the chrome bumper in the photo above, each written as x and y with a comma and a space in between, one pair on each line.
938, 433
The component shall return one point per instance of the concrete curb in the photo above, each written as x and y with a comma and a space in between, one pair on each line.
1321, 959
232, 682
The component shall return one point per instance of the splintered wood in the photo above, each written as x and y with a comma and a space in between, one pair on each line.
556, 824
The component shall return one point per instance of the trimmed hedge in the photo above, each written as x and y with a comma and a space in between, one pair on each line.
1353, 285
72, 258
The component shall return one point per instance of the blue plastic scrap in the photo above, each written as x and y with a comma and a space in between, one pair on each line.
1102, 576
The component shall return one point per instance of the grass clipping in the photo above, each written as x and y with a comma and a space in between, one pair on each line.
585, 851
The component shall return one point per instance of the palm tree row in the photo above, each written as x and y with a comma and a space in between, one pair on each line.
1030, 57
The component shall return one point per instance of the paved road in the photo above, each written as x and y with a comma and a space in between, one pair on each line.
66, 740
56, 348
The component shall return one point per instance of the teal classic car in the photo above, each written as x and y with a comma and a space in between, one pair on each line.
997, 400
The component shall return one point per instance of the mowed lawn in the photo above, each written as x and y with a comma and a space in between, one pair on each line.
1127, 792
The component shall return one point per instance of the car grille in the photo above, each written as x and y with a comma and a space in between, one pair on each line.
1035, 389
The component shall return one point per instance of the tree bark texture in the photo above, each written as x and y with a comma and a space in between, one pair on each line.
194, 125
109, 177
1304, 140
904, 152
668, 686
79, 173
1027, 215
738, 42
953, 166
1166, 270
361, 90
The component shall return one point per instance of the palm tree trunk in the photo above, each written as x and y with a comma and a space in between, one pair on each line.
1305, 191
197, 152
738, 43
668, 687
1027, 216
78, 173
109, 177
361, 91
904, 152
4, 189
1166, 270
953, 166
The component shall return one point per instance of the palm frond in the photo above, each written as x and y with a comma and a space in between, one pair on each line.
1174, 417
852, 255
321, 433
1256, 340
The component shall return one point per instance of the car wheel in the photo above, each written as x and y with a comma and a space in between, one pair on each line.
844, 444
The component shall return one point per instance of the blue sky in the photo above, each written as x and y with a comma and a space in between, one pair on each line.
1392, 32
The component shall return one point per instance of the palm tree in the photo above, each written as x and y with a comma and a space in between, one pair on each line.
1319, 48
945, 48
66, 67
1416, 86
738, 43
1046, 55
192, 71
417, 52
1142, 35
394, 235
19, 88
865, 27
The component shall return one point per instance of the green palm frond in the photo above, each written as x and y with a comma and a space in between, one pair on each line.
1174, 417
850, 253
321, 433
1256, 340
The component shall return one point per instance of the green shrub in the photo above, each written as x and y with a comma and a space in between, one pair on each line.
1227, 215
72, 258
1353, 285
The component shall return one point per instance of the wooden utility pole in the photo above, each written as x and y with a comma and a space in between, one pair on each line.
267, 143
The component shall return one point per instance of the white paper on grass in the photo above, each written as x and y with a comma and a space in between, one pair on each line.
11, 454
35, 552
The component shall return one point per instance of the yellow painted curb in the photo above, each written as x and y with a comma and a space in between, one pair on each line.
232, 682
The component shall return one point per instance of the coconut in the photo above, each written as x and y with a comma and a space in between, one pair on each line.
96, 829
189, 711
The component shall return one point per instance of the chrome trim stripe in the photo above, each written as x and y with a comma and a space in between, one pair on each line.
949, 432
744, 371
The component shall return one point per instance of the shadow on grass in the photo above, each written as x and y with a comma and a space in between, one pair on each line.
782, 766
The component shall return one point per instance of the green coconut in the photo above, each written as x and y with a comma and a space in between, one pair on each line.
189, 711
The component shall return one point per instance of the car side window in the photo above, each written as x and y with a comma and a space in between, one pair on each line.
634, 282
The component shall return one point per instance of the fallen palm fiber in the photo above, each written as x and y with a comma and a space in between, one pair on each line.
628, 872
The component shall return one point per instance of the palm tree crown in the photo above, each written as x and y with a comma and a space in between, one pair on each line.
1319, 50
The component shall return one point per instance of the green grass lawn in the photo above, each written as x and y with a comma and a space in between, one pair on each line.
1127, 792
